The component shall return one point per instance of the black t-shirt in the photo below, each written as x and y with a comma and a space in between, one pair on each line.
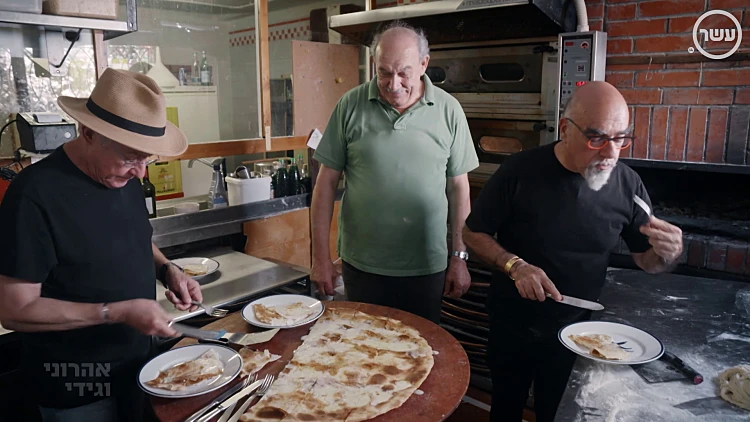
549, 216
84, 243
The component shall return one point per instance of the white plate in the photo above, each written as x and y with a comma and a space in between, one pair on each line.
249, 315
232, 366
208, 262
646, 348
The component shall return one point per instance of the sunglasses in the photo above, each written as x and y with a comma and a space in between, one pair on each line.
600, 141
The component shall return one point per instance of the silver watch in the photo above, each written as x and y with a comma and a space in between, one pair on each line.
461, 254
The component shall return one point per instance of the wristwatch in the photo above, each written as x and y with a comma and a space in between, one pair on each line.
461, 254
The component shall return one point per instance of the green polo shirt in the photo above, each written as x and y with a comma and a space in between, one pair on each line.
393, 218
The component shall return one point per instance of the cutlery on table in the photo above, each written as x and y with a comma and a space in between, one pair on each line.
226, 404
225, 395
258, 393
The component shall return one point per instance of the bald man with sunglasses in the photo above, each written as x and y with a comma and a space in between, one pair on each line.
546, 222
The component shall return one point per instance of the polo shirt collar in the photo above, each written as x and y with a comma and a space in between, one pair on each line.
429, 90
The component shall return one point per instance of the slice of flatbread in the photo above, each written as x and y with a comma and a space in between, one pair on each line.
609, 351
195, 269
601, 346
282, 314
205, 367
254, 360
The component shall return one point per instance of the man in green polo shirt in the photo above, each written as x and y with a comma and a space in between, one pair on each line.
402, 143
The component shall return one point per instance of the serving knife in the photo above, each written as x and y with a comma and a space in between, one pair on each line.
231, 401
580, 303
223, 337
641, 203
225, 395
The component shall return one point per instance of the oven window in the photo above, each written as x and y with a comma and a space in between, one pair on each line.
501, 72
436, 74
500, 144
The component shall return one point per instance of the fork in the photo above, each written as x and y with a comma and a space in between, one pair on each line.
210, 310
249, 380
267, 382
627, 349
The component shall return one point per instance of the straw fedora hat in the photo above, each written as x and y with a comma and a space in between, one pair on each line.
130, 109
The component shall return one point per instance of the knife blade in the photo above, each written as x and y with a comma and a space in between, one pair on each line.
641, 203
230, 392
223, 337
231, 401
580, 303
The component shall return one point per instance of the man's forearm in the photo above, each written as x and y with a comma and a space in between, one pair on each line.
487, 249
159, 258
459, 207
321, 213
45, 314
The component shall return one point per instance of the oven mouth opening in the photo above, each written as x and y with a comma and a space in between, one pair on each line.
500, 145
501, 73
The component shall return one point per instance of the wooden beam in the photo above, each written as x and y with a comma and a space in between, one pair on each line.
100, 53
264, 70
241, 147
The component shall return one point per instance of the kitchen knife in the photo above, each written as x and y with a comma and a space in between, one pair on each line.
225, 395
641, 203
231, 401
683, 367
223, 337
580, 303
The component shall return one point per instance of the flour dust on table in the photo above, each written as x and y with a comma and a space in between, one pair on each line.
617, 394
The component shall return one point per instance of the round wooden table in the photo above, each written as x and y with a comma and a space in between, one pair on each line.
443, 388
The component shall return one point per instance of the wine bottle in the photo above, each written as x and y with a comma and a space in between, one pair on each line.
149, 192
294, 179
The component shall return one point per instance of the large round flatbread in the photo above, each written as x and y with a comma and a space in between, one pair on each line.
351, 367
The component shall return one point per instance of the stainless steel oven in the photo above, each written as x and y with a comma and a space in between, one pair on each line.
507, 91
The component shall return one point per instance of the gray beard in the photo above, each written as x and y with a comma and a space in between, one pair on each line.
596, 179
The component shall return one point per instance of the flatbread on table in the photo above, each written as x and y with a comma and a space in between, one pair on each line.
351, 367
187, 374
282, 314
254, 360
601, 346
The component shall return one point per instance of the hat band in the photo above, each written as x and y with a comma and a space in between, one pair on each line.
124, 123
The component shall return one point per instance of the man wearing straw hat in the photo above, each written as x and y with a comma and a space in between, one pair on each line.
77, 278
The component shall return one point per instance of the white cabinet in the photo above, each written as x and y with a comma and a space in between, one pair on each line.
198, 116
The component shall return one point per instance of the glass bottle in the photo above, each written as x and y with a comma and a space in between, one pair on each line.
282, 181
195, 75
294, 179
217, 193
205, 77
149, 192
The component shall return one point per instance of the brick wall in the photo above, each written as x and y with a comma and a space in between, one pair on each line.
696, 112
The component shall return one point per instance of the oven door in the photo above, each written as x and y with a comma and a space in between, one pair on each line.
496, 139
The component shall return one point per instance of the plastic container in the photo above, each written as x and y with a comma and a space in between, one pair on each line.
26, 6
243, 191
97, 9
187, 207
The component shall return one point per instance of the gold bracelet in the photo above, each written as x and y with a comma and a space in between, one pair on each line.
510, 263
